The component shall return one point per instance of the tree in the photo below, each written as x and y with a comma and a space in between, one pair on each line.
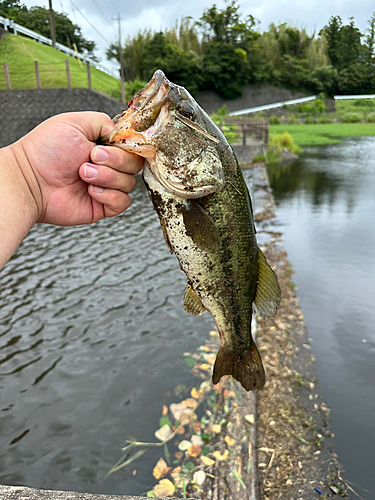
227, 42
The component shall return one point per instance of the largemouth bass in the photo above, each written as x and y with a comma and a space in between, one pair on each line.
204, 208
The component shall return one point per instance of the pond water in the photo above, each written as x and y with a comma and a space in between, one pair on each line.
326, 211
92, 336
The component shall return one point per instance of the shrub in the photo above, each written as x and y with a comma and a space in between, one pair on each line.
308, 120
274, 120
325, 119
291, 119
316, 106
351, 118
371, 117
364, 103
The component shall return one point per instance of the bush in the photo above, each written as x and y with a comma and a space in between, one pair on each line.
351, 118
325, 119
291, 119
308, 120
274, 120
364, 103
315, 107
370, 118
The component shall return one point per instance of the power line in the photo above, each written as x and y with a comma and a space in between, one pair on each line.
98, 6
92, 26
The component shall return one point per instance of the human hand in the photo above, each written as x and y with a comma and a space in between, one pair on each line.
72, 180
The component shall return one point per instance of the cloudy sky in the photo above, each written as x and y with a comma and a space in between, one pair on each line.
158, 14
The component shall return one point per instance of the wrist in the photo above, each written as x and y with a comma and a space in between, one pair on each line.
26, 182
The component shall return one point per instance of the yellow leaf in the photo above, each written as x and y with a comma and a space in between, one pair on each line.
164, 411
216, 428
195, 393
211, 359
189, 402
194, 451
213, 333
230, 441
207, 461
219, 456
160, 469
250, 419
164, 488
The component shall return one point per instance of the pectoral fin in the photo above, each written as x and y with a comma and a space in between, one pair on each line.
268, 293
192, 303
200, 228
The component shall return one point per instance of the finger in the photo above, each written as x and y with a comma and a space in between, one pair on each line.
113, 201
116, 158
106, 177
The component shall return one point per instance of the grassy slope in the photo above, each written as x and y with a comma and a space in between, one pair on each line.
20, 53
327, 133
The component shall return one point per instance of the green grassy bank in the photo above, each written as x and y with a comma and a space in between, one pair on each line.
326, 133
20, 53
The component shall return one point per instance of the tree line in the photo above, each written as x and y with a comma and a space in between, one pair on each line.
223, 51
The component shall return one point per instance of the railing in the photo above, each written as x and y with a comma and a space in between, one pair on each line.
251, 128
290, 102
17, 28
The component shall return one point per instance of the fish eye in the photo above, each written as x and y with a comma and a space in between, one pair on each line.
186, 109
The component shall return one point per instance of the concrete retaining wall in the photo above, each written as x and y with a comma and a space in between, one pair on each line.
22, 110
253, 95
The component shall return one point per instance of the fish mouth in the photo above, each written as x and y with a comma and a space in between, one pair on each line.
143, 110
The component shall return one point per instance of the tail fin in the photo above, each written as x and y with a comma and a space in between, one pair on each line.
246, 367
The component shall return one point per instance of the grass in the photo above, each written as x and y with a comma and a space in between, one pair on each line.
21, 52
324, 133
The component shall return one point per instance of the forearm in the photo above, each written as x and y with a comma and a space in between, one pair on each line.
18, 209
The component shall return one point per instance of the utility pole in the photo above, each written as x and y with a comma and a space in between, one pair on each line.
118, 18
52, 24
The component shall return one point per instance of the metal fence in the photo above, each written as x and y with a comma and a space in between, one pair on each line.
251, 128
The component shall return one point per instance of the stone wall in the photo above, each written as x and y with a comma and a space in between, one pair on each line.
22, 110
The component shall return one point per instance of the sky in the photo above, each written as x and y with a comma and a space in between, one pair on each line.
137, 15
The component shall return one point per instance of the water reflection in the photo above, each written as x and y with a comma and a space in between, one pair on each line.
326, 204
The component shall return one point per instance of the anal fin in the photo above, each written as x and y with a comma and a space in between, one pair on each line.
268, 293
192, 303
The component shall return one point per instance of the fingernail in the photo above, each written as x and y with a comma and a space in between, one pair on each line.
99, 154
97, 189
90, 172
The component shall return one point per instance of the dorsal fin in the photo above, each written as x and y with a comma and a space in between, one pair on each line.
192, 303
268, 293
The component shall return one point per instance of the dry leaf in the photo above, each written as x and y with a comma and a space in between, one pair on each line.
230, 441
250, 419
211, 359
207, 461
219, 456
164, 488
204, 366
163, 433
160, 469
196, 440
194, 451
164, 411
189, 402
195, 393
184, 445
213, 333
178, 455
199, 477
180, 411
216, 428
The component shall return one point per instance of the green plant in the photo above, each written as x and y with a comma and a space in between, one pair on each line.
370, 118
351, 118
308, 120
274, 120
324, 118
291, 119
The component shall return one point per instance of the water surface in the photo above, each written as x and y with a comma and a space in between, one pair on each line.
326, 208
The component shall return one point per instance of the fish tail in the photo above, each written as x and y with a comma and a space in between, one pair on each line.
245, 366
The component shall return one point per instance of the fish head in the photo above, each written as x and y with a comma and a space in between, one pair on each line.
179, 141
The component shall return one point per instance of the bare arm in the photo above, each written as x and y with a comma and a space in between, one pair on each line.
56, 174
